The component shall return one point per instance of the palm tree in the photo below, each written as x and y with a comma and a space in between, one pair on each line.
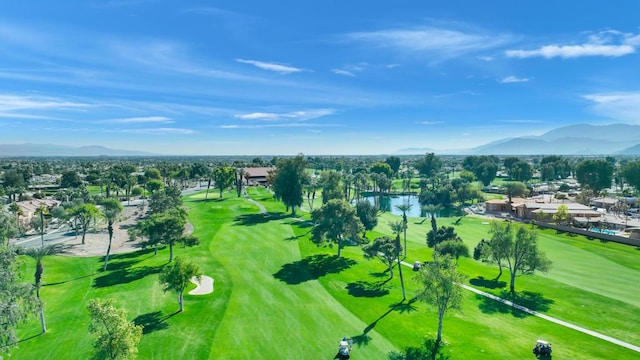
17, 211
111, 209
405, 207
397, 227
42, 211
432, 210
38, 254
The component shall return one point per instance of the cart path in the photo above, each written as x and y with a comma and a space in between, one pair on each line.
260, 206
546, 317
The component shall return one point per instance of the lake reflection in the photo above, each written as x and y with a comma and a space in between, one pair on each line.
388, 204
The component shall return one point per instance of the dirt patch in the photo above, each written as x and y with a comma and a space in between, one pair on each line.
96, 242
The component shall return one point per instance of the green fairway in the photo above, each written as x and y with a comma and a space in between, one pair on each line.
279, 295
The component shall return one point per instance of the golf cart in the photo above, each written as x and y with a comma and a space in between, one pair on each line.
542, 350
416, 266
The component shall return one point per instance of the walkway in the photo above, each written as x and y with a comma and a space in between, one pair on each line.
546, 317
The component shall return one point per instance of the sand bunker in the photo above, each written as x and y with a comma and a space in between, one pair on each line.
203, 287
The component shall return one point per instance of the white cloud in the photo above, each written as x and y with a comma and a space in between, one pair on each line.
485, 58
17, 102
512, 79
342, 72
140, 120
430, 122
295, 115
617, 105
441, 43
609, 43
279, 68
521, 121
160, 131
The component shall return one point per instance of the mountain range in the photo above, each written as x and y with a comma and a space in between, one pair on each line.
579, 139
44, 150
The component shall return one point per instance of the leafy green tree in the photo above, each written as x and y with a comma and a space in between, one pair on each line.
518, 169
561, 215
288, 180
38, 254
13, 183
443, 234
84, 214
111, 209
439, 280
165, 199
519, 253
117, 337
166, 227
16, 297
331, 188
224, 177
381, 168
631, 173
70, 179
594, 174
454, 248
154, 185
483, 167
176, 278
394, 163
368, 215
336, 221
385, 249
428, 165
8, 226
515, 188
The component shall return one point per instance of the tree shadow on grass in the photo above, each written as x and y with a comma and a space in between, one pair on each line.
530, 300
254, 219
125, 276
401, 307
312, 267
368, 289
130, 255
487, 284
66, 281
152, 321
428, 350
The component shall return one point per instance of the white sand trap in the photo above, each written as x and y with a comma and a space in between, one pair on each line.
203, 287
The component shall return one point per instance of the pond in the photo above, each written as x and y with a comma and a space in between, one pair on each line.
388, 204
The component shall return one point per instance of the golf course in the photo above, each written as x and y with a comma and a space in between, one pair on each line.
278, 295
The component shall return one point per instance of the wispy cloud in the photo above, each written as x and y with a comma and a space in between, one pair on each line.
436, 42
609, 43
140, 120
485, 58
278, 125
521, 121
295, 115
159, 131
279, 68
513, 79
343, 72
617, 105
430, 122
17, 102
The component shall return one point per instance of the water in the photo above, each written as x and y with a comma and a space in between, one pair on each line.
388, 204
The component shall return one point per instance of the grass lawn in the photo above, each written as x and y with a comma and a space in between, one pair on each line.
278, 295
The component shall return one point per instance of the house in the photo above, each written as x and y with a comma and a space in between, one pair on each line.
537, 210
29, 208
604, 202
257, 175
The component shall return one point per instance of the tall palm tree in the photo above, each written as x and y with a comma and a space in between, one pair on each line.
111, 209
38, 254
42, 211
432, 210
17, 211
397, 227
405, 207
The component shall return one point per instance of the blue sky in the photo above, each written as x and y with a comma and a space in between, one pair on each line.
323, 77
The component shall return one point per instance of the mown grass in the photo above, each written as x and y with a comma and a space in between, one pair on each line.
279, 295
